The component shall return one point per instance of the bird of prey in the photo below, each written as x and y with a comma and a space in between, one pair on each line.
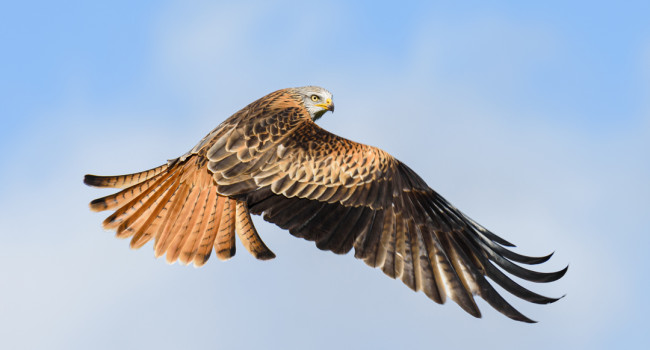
271, 159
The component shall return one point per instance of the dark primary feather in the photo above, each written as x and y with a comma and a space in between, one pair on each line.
271, 159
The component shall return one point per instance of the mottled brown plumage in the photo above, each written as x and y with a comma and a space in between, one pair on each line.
271, 159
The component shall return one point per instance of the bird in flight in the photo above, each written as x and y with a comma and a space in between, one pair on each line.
271, 159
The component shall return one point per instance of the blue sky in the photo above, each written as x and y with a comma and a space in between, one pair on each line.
534, 119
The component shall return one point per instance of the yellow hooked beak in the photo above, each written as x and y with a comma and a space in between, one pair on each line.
328, 105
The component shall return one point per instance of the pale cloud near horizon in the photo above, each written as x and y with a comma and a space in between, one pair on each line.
538, 181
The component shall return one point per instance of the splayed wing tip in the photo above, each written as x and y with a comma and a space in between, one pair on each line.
556, 299
558, 274
540, 259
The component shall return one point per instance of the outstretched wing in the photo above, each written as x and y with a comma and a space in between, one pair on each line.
341, 194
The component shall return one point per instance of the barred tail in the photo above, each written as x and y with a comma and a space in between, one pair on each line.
123, 181
178, 207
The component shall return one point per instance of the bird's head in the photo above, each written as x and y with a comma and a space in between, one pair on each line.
316, 99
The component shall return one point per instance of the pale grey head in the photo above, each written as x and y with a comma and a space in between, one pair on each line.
316, 99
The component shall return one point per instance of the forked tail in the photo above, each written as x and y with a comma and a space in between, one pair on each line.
177, 205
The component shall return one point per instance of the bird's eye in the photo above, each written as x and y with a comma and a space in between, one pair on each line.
315, 98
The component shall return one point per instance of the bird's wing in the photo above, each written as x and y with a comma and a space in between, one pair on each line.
343, 194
